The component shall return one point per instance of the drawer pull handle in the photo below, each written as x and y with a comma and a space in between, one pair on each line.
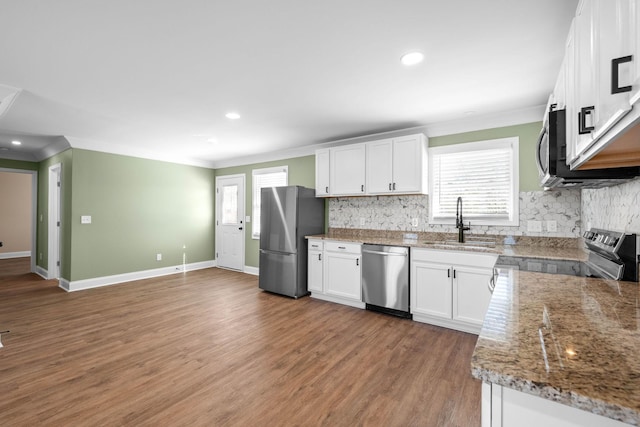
615, 74
342, 247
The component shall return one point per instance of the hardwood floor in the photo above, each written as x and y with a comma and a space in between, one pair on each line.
209, 348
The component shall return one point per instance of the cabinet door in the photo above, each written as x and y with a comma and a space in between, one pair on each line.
342, 275
570, 97
431, 289
585, 82
635, 37
322, 173
379, 167
407, 164
613, 26
314, 280
348, 170
471, 294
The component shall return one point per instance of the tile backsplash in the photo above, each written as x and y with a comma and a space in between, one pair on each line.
613, 208
397, 212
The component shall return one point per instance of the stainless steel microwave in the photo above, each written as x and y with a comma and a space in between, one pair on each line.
551, 157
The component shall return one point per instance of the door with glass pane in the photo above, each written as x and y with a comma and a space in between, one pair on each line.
230, 221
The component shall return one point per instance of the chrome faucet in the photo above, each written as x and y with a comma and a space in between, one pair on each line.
459, 222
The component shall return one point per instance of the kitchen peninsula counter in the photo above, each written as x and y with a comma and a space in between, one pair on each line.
568, 339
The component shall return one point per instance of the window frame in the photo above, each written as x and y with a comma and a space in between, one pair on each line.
514, 211
255, 195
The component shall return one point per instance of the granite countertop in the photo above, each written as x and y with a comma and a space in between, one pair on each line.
568, 339
550, 248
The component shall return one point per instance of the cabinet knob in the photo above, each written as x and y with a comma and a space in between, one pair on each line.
615, 74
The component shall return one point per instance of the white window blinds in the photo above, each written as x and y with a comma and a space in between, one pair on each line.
483, 173
271, 177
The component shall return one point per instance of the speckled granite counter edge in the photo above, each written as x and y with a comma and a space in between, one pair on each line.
595, 406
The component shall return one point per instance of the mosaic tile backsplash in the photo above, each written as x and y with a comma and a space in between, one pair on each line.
396, 213
613, 208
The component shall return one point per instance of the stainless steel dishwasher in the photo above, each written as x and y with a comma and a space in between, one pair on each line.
385, 279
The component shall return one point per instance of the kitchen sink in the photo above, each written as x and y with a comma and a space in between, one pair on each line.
469, 242
482, 245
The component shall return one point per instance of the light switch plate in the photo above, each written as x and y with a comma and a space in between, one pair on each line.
85, 219
414, 222
247, 219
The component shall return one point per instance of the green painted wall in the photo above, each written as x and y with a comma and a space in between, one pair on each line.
18, 164
139, 208
302, 171
528, 134
42, 241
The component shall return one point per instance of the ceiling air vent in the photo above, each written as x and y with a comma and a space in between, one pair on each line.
8, 94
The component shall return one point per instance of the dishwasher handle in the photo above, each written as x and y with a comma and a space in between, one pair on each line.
366, 251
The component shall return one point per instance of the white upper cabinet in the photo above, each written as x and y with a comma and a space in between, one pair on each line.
347, 170
615, 61
387, 166
397, 165
322, 172
602, 82
380, 166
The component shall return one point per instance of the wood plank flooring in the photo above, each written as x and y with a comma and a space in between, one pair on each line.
208, 348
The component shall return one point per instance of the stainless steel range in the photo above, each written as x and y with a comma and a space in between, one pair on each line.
612, 255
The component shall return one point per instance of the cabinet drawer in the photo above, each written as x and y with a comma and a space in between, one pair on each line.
454, 257
315, 245
346, 247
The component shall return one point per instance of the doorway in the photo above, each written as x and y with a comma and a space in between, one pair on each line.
230, 227
28, 247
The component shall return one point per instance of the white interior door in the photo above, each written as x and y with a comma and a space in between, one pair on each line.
230, 227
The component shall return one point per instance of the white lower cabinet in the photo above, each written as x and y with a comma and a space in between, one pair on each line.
335, 272
450, 288
314, 269
506, 407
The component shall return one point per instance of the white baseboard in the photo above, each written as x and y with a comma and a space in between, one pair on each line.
8, 255
42, 272
252, 270
96, 282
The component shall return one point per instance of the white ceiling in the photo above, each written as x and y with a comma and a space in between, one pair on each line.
154, 78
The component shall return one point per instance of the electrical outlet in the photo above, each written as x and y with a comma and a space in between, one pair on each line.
362, 221
158, 257
534, 226
552, 226
85, 219
414, 222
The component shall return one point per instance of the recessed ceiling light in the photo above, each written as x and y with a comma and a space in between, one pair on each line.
16, 142
232, 116
412, 58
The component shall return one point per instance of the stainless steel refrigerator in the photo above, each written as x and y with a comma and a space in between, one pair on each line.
287, 215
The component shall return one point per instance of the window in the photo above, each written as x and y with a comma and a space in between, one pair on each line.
485, 174
271, 177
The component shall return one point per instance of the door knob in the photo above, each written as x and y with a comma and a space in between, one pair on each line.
239, 228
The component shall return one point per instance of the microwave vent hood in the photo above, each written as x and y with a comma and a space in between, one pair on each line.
560, 175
